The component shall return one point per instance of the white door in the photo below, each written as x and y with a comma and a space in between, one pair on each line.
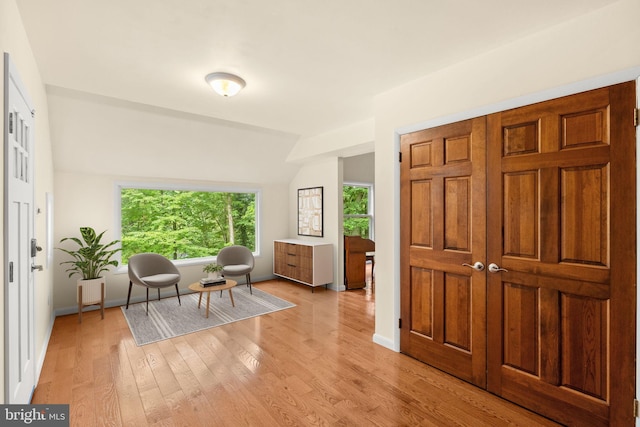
18, 231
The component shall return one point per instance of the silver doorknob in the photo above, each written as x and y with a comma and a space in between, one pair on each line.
478, 266
494, 268
36, 267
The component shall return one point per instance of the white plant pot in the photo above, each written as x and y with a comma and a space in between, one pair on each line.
91, 290
213, 275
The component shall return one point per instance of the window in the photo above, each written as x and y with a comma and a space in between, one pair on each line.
357, 202
185, 224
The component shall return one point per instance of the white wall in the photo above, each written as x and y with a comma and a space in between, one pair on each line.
529, 70
98, 135
346, 141
322, 173
86, 199
359, 169
14, 41
99, 141
323, 158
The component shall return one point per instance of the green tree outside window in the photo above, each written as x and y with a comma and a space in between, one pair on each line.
356, 210
183, 224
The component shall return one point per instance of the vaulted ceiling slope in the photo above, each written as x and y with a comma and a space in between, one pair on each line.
310, 66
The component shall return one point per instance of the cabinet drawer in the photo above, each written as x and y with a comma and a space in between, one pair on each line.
304, 275
279, 258
293, 250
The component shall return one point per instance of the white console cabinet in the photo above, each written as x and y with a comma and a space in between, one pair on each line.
306, 262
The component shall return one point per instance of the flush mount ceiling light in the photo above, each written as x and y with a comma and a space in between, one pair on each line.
225, 84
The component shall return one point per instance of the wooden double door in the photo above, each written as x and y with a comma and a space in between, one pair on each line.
518, 260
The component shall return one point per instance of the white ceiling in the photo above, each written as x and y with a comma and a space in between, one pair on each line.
310, 66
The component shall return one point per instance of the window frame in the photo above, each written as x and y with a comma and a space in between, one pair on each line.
119, 185
370, 206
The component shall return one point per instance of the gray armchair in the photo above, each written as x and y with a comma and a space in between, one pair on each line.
236, 261
152, 271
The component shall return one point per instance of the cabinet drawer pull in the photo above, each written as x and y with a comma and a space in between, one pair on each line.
291, 265
290, 254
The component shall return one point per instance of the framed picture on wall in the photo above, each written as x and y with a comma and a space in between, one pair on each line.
310, 219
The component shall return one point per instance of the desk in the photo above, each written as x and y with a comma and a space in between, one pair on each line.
197, 287
357, 251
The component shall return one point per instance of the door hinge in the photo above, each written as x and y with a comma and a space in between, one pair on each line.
635, 117
400, 157
10, 123
399, 323
636, 410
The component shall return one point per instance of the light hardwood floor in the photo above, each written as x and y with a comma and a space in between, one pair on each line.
314, 364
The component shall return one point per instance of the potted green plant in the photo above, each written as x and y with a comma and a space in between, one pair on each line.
213, 270
90, 260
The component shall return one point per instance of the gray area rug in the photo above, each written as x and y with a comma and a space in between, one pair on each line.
167, 319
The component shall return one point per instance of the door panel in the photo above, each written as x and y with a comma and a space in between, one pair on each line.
20, 365
548, 193
444, 204
554, 224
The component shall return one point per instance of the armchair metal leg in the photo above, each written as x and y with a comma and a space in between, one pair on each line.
249, 283
147, 301
178, 292
129, 294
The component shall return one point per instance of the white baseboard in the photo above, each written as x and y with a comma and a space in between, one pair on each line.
385, 342
45, 346
141, 297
